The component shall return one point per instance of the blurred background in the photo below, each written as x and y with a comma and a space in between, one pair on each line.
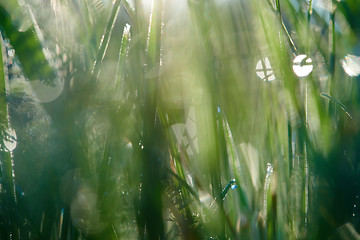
188, 119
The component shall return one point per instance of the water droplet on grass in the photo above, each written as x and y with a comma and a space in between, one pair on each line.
269, 168
302, 65
264, 70
11, 52
231, 185
269, 172
351, 65
11, 140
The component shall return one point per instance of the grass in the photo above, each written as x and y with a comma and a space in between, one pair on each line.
165, 129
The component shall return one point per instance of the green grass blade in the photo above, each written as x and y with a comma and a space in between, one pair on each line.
105, 39
28, 48
338, 103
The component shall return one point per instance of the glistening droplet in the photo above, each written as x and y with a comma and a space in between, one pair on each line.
264, 70
351, 65
302, 65
11, 140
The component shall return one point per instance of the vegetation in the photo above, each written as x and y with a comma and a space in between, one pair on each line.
188, 119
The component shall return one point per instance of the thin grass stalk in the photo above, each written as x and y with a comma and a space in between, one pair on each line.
288, 36
110, 138
215, 159
235, 161
332, 50
7, 171
300, 134
177, 168
105, 39
123, 54
153, 136
186, 195
306, 164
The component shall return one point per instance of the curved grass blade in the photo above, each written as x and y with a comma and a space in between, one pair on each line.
342, 106
230, 185
184, 184
288, 36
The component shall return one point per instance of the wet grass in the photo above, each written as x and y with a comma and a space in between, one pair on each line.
179, 120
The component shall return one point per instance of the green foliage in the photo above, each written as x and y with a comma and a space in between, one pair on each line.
186, 120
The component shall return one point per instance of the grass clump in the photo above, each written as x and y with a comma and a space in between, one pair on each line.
214, 119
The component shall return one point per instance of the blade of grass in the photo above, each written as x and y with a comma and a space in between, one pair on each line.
28, 48
7, 171
153, 136
342, 106
105, 39
288, 36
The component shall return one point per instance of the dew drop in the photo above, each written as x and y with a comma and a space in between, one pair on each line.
11, 52
11, 140
264, 70
351, 65
269, 168
127, 30
233, 184
302, 65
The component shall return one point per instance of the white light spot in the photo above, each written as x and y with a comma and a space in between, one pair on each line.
11, 141
351, 65
190, 180
233, 185
264, 70
205, 198
11, 52
251, 157
127, 30
45, 92
302, 65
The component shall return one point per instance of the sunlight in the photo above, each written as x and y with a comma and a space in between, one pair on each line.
351, 65
264, 70
187, 119
11, 141
302, 65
